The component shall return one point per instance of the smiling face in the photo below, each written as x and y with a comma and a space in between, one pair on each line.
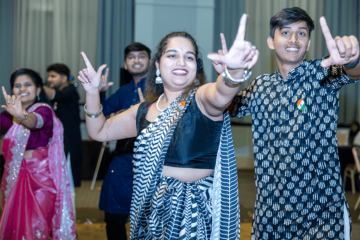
137, 63
178, 64
290, 43
56, 80
25, 87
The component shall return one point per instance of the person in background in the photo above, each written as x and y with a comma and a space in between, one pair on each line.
35, 187
116, 190
294, 120
65, 99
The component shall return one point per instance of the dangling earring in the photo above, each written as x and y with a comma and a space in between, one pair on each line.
38, 97
197, 82
158, 79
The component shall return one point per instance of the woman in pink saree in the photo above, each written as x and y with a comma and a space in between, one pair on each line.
35, 186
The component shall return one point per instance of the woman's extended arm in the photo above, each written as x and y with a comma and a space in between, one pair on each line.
99, 128
214, 98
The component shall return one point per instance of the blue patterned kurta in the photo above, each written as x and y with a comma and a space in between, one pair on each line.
299, 194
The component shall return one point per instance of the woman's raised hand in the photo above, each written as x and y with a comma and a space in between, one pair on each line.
241, 55
13, 104
88, 77
219, 66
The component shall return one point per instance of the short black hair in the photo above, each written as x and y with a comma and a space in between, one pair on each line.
136, 46
288, 16
60, 69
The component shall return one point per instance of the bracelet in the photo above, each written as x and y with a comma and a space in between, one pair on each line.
229, 79
354, 63
93, 115
26, 116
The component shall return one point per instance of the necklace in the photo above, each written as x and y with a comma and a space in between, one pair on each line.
157, 103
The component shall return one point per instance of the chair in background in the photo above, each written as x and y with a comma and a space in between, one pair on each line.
355, 151
350, 172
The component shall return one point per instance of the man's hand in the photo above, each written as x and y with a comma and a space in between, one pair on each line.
342, 50
141, 95
104, 85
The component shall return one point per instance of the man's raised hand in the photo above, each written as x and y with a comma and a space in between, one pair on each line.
342, 50
141, 96
88, 77
104, 85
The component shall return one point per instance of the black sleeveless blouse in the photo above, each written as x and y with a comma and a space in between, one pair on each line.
195, 140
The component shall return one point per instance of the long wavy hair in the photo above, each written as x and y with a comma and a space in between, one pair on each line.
153, 90
37, 80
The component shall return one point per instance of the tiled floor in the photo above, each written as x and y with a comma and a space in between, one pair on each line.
90, 221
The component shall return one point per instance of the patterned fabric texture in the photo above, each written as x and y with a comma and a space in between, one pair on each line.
297, 170
166, 208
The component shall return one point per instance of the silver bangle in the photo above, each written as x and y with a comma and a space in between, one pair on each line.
93, 115
229, 79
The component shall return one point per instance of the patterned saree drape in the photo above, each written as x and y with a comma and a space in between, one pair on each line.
163, 207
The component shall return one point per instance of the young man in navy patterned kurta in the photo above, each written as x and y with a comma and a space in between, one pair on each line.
294, 120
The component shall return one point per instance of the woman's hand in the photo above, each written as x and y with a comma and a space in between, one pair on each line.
88, 77
241, 55
220, 66
13, 105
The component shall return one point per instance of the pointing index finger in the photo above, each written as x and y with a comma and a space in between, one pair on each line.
86, 60
106, 73
242, 28
325, 29
223, 44
4, 93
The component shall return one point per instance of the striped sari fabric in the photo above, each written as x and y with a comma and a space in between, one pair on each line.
166, 208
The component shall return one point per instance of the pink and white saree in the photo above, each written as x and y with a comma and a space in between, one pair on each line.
36, 195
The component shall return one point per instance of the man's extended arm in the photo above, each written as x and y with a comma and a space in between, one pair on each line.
50, 93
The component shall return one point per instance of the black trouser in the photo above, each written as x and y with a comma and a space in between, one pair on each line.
75, 159
115, 226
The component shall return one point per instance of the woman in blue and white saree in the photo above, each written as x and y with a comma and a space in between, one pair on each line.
185, 178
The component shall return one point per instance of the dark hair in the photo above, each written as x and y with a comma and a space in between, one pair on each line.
136, 47
37, 80
153, 90
288, 16
61, 69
